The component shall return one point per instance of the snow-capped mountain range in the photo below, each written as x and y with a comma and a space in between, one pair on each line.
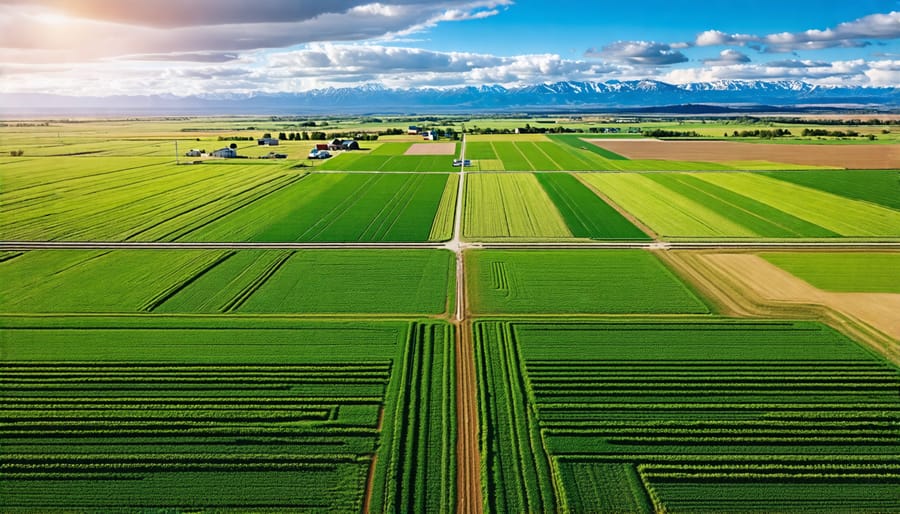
559, 96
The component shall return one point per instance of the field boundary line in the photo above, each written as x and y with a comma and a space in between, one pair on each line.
574, 244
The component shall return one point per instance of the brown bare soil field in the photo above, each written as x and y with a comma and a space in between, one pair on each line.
843, 156
432, 149
744, 284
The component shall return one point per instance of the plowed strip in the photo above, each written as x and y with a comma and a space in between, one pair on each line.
748, 285
843, 156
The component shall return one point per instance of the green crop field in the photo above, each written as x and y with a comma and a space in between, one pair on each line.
586, 214
568, 152
336, 207
516, 206
127, 199
574, 281
743, 205
286, 350
684, 416
877, 186
260, 281
843, 272
390, 157
111, 414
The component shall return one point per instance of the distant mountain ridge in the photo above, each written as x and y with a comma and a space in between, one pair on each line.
568, 95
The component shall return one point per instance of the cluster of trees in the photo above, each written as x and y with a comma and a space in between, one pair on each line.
322, 136
669, 133
17, 153
763, 134
829, 133
527, 129
236, 138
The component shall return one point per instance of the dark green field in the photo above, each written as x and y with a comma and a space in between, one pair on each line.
124, 413
410, 282
575, 281
585, 213
682, 416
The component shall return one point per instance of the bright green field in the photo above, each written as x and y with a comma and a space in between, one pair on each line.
210, 414
336, 208
880, 187
660, 415
574, 281
843, 272
202, 281
742, 205
127, 199
510, 206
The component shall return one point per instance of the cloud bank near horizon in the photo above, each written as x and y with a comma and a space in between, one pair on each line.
214, 47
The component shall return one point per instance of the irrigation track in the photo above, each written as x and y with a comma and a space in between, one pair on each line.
457, 246
468, 455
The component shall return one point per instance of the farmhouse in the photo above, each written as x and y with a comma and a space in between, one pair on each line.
225, 153
267, 141
346, 144
431, 135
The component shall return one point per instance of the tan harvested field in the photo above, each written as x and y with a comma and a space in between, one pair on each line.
842, 156
747, 285
432, 149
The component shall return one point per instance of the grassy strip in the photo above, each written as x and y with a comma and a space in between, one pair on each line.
442, 227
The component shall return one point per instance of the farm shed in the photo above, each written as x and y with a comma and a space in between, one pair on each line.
350, 145
267, 141
225, 153
194, 153
412, 130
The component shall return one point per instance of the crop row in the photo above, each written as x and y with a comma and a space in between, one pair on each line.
741, 205
515, 467
498, 206
636, 419
585, 213
338, 208
200, 281
160, 202
418, 472
336, 400
575, 281
875, 186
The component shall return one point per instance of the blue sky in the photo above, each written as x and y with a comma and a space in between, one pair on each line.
217, 47
570, 31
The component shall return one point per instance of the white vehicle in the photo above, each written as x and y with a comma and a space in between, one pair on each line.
457, 163
319, 154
